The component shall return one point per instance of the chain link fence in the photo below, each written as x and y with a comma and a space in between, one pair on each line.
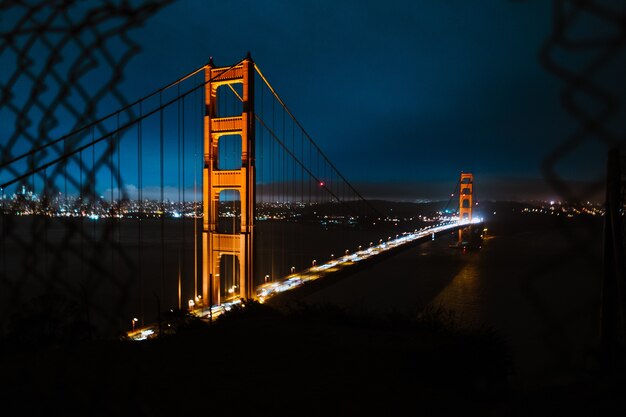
586, 51
69, 58
63, 65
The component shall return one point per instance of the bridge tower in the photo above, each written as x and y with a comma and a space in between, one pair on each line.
466, 192
238, 243
466, 198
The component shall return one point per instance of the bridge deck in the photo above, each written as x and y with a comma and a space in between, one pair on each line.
292, 281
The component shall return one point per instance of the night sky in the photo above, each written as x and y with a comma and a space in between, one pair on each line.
401, 95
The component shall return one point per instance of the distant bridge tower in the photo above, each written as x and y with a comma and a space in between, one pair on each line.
466, 199
466, 193
238, 243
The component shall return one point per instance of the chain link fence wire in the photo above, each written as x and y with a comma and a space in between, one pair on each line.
62, 64
585, 50
69, 57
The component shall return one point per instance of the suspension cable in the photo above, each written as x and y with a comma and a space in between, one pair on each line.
96, 122
75, 151
258, 70
456, 187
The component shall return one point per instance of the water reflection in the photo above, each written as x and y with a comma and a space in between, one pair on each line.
463, 294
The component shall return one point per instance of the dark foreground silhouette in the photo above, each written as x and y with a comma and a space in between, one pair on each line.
309, 360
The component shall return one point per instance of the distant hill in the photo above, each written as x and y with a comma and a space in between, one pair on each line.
403, 209
396, 208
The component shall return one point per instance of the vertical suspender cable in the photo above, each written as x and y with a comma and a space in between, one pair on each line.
182, 207
295, 243
45, 196
162, 202
282, 199
302, 260
82, 218
195, 211
111, 227
119, 185
65, 170
93, 191
140, 209
180, 305
272, 201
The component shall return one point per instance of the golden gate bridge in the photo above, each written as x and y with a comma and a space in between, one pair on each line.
203, 194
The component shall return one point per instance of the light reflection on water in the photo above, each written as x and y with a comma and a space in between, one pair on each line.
463, 293
539, 295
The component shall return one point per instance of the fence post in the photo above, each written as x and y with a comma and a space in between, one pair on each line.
612, 330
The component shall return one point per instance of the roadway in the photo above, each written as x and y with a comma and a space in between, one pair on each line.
268, 290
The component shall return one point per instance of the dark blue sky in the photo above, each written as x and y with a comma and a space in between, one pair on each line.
401, 95
398, 92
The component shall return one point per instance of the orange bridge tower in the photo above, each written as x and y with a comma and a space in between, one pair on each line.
237, 243
466, 199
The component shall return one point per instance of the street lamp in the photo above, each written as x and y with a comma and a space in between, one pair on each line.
267, 278
314, 262
133, 321
347, 252
198, 299
293, 269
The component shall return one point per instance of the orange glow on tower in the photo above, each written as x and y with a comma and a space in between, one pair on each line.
466, 199
215, 180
